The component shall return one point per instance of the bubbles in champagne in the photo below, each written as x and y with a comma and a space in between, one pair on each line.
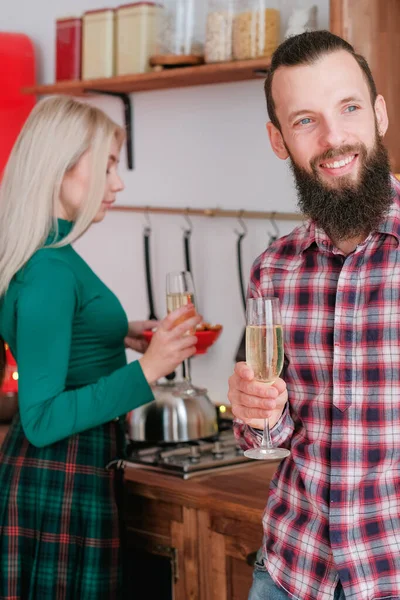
264, 351
175, 301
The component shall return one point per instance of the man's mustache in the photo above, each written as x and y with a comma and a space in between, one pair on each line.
333, 153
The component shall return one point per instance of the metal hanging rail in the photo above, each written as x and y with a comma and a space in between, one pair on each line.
212, 212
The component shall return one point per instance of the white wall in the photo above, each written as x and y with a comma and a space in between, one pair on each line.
199, 147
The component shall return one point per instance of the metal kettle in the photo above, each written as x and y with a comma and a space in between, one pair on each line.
180, 412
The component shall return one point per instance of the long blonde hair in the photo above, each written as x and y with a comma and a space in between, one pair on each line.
57, 133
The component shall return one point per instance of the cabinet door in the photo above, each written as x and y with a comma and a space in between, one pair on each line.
372, 27
226, 551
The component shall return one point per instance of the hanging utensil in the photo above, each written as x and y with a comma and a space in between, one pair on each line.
186, 244
241, 351
186, 248
149, 288
146, 239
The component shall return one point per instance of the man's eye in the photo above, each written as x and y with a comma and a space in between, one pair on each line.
304, 121
352, 108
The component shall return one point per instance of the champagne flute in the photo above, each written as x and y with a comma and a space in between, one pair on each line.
264, 354
180, 292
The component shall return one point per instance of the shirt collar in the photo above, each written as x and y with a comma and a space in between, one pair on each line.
391, 224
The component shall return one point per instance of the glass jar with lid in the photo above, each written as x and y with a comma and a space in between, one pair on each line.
220, 17
176, 29
256, 29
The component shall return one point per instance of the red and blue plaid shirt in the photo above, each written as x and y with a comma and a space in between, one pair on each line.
334, 504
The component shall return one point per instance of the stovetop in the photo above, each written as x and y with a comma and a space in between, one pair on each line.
189, 459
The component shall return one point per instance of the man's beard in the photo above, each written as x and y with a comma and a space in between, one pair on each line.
351, 209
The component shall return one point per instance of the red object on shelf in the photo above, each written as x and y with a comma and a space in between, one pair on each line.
17, 70
205, 339
68, 48
10, 382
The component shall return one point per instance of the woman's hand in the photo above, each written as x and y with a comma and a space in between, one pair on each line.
171, 344
134, 338
253, 401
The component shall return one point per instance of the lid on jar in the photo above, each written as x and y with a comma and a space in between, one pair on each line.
98, 10
69, 18
138, 4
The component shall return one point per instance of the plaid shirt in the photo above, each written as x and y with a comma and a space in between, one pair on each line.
334, 504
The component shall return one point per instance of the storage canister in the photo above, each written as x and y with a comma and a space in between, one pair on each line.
136, 31
98, 44
256, 29
220, 15
68, 48
176, 32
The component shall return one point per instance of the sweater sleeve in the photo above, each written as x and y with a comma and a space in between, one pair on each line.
49, 413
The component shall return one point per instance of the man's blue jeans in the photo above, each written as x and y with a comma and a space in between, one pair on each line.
264, 588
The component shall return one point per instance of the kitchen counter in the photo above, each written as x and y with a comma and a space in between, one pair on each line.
239, 492
207, 529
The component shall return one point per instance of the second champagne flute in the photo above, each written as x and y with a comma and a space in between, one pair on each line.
264, 354
180, 292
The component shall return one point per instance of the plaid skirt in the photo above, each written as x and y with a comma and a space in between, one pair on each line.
59, 518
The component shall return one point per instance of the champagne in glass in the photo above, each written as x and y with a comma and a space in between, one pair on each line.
265, 355
176, 299
180, 292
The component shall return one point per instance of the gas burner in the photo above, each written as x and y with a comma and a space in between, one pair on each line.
191, 458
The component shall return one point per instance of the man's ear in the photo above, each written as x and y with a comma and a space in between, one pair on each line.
276, 141
382, 118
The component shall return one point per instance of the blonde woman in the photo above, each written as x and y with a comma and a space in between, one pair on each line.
59, 528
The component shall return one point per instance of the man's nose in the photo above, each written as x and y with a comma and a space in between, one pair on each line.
332, 134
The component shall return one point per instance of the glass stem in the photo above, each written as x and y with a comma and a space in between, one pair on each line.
266, 438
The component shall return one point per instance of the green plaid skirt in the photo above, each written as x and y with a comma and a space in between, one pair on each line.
59, 520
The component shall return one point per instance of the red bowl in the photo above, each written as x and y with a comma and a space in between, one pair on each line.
205, 339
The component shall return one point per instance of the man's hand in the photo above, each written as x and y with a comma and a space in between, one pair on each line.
134, 339
253, 401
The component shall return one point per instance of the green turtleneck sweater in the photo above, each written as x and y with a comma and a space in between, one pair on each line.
66, 331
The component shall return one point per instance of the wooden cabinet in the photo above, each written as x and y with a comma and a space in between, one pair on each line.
372, 27
195, 539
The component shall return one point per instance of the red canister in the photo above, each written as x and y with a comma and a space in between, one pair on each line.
68, 48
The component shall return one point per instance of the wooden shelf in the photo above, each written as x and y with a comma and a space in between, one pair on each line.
244, 70
123, 85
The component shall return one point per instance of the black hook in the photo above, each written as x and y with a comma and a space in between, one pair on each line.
189, 222
148, 222
274, 225
274, 237
242, 224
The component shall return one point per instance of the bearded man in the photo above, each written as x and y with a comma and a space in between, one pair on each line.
332, 520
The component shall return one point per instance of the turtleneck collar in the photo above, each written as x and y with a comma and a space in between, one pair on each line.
63, 226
